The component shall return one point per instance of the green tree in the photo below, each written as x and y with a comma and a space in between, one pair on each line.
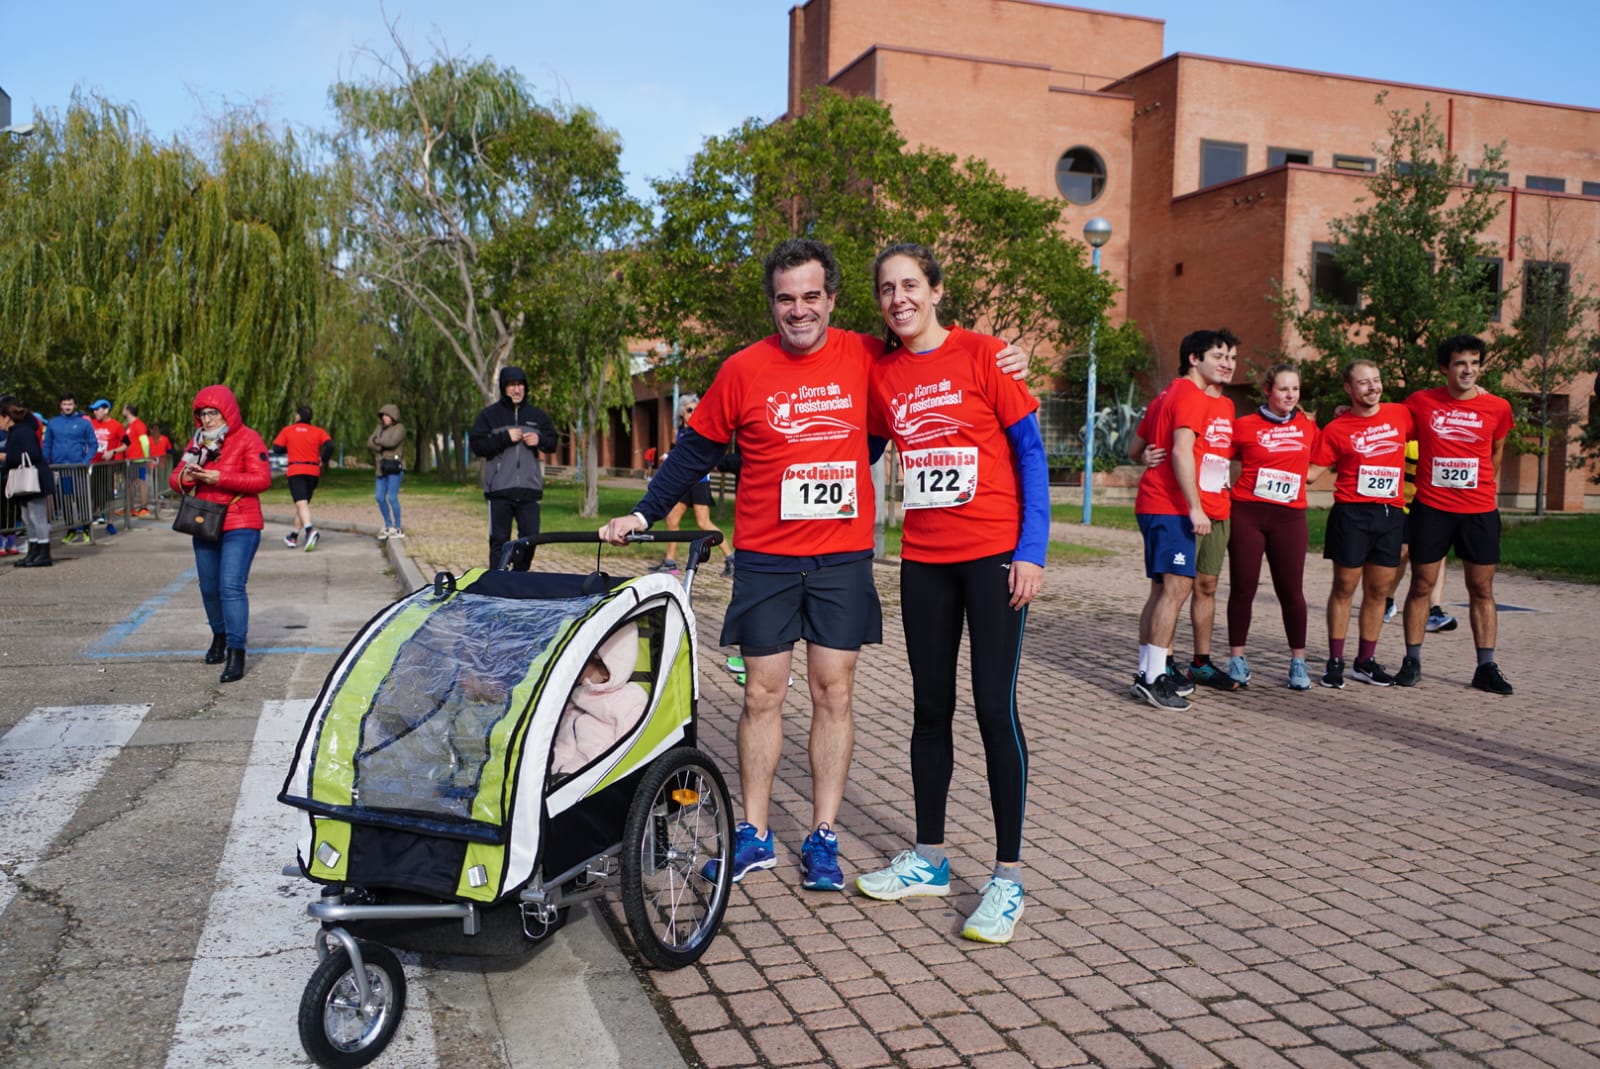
1553, 340
842, 173
143, 271
1415, 254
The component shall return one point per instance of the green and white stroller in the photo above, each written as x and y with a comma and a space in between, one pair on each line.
504, 737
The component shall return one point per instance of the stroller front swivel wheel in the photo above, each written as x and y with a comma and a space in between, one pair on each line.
338, 1029
677, 858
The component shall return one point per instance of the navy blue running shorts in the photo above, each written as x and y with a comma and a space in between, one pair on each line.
1431, 533
1169, 545
835, 606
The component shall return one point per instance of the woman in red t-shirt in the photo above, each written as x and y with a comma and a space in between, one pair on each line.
976, 495
1273, 445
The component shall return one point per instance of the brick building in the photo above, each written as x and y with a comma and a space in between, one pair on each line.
1218, 176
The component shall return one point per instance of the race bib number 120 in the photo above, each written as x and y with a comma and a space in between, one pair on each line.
939, 478
818, 492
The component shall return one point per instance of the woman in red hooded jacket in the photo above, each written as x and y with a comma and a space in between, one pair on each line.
225, 462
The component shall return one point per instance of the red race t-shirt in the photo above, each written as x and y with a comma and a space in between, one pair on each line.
947, 411
805, 485
1369, 453
138, 434
109, 434
302, 445
1185, 404
1273, 458
1455, 448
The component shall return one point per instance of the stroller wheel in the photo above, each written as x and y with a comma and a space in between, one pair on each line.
680, 828
337, 1029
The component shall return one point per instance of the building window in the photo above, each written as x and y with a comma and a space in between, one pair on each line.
1491, 284
1354, 163
1329, 286
1220, 161
1494, 178
1549, 185
1276, 157
1591, 189
1407, 168
1081, 175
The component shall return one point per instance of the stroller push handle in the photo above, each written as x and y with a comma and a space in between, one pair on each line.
518, 555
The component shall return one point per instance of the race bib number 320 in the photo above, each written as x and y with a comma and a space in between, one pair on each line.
1455, 473
939, 478
818, 492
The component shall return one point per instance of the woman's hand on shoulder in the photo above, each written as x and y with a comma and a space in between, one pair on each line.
1012, 361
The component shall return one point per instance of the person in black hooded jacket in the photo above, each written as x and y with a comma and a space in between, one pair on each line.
510, 434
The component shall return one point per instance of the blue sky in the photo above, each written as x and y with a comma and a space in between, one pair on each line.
667, 75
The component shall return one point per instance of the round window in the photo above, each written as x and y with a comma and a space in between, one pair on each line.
1081, 175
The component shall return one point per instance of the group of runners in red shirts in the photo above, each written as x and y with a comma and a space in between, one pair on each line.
1190, 440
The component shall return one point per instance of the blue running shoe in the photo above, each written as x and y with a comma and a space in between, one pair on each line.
997, 914
908, 874
750, 851
819, 859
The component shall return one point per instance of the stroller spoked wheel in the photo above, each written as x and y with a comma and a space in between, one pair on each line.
680, 819
337, 1029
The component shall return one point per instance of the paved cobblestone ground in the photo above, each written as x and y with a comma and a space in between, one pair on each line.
1368, 877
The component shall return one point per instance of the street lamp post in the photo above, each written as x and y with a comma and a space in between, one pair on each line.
1096, 232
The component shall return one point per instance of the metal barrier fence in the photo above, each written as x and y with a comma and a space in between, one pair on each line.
111, 495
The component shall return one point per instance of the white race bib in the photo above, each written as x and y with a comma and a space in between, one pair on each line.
1373, 481
939, 478
1274, 485
1455, 473
819, 491
1213, 472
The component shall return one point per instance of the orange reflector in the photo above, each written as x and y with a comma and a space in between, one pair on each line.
685, 796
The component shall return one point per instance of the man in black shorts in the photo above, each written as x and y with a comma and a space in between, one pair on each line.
308, 447
1366, 445
1461, 440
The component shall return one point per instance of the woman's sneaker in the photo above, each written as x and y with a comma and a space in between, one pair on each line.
997, 915
383, 535
908, 874
1299, 676
1239, 670
395, 532
750, 851
819, 861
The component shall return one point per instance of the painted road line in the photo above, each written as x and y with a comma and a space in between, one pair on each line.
49, 762
256, 952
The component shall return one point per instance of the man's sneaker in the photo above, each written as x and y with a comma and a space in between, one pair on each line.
1160, 693
735, 664
1207, 675
727, 566
1489, 678
1239, 670
292, 540
1334, 675
383, 535
908, 874
1370, 671
997, 915
1410, 672
1299, 676
819, 860
750, 851
1182, 685
312, 535
1439, 620
1390, 610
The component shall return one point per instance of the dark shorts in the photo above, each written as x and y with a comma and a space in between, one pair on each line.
834, 606
698, 494
1431, 533
1168, 544
301, 487
1362, 534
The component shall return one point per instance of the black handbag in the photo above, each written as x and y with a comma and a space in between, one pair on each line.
389, 466
201, 518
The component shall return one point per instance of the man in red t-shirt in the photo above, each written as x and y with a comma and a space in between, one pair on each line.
307, 449
803, 537
1366, 445
103, 481
1184, 428
138, 439
1461, 440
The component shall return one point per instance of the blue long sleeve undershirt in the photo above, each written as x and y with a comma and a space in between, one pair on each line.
1033, 473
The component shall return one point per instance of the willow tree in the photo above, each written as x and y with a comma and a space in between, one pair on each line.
144, 270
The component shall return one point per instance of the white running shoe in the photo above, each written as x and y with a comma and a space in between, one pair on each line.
908, 874
997, 915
